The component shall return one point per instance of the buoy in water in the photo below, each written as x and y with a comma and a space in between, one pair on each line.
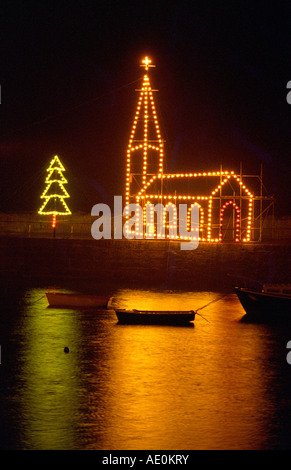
66, 349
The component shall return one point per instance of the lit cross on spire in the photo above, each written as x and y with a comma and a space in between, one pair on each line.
146, 63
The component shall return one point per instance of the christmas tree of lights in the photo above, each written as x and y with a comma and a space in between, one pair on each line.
55, 194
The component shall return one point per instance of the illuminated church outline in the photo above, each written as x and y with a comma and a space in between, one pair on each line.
221, 193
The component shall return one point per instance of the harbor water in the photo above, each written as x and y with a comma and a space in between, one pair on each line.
221, 383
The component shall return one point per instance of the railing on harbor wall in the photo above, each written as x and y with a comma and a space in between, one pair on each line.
79, 226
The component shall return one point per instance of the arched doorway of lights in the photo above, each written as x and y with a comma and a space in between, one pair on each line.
229, 226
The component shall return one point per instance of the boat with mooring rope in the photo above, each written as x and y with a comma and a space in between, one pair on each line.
155, 317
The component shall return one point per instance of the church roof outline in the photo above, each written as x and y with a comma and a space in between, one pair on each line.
225, 176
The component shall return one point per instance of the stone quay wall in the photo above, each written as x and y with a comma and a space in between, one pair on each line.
142, 263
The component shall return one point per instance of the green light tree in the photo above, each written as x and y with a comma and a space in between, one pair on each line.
55, 194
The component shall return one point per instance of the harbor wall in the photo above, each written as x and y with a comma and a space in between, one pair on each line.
141, 263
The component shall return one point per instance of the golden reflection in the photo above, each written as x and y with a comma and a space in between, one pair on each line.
189, 390
127, 387
50, 377
166, 300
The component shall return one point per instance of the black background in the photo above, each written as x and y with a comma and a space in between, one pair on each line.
68, 76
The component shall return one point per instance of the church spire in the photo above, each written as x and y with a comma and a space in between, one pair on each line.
145, 148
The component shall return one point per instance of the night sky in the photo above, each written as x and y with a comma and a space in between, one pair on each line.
68, 76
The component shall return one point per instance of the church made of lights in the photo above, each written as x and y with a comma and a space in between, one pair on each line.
226, 204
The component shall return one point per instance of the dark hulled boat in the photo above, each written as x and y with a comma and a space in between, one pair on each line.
272, 302
155, 317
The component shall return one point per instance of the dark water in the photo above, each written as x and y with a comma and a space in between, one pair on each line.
222, 384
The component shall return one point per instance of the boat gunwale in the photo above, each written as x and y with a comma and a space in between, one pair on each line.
156, 312
263, 294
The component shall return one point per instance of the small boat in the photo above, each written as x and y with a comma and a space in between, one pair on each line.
155, 317
59, 299
272, 302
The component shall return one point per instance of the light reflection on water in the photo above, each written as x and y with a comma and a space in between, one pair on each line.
223, 384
